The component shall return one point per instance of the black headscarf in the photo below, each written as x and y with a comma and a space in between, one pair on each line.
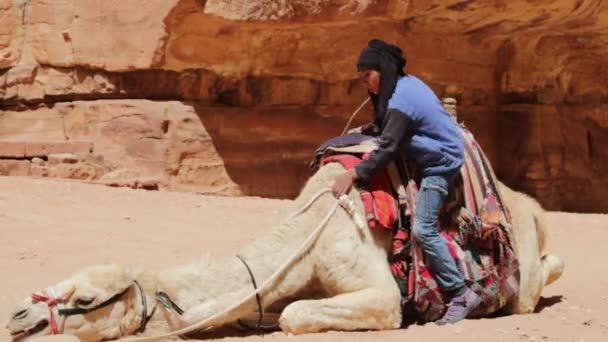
388, 59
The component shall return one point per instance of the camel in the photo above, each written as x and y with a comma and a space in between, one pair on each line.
342, 282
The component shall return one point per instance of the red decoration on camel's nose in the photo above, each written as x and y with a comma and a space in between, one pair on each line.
51, 301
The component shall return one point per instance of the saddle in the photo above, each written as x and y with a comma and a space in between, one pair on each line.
474, 222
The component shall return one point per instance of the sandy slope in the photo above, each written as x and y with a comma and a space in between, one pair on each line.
51, 228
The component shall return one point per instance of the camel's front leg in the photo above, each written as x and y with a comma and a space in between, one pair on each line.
369, 309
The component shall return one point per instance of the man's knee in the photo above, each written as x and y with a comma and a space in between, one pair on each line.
425, 230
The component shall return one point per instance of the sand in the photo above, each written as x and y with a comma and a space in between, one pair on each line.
50, 228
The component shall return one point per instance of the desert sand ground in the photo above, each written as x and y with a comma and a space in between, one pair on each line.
51, 228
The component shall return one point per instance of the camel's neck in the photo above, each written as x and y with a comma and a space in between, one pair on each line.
155, 322
206, 289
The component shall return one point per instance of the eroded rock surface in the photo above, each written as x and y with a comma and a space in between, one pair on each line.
232, 96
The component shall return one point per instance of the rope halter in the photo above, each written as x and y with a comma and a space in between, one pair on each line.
47, 296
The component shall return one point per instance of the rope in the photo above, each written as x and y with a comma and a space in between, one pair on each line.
353, 116
51, 300
343, 201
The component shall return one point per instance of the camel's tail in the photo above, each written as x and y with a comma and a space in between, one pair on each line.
552, 265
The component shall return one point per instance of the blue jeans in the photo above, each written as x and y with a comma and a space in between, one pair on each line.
431, 197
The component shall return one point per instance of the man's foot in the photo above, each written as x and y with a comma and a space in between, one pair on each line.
459, 307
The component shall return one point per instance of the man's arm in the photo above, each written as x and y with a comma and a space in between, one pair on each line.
392, 137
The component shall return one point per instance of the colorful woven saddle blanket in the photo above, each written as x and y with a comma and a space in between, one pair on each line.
377, 197
474, 222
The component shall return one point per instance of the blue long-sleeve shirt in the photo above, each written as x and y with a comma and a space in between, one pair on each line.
416, 123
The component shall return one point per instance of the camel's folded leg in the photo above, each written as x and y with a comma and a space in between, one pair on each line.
534, 276
372, 309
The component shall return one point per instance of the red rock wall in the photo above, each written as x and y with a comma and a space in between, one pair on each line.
231, 97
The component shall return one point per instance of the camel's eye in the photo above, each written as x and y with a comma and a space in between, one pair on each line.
84, 301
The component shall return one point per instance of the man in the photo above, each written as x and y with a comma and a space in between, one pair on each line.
413, 121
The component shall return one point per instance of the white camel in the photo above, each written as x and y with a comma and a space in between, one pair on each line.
343, 282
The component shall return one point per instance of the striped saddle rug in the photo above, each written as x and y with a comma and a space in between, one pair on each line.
474, 221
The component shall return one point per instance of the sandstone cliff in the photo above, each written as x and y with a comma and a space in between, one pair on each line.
231, 97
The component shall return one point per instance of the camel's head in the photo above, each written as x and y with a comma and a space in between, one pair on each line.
98, 303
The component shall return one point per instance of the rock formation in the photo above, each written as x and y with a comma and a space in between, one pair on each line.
231, 97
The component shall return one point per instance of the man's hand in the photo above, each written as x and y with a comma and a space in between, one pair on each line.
370, 129
343, 183
366, 129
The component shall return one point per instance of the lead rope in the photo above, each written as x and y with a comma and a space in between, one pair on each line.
354, 114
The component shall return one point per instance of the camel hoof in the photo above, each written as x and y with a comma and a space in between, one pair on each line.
292, 318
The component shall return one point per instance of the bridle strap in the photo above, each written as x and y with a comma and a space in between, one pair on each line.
258, 300
144, 303
52, 301
168, 303
144, 311
81, 311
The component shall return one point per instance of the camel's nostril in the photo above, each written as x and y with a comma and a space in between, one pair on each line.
21, 314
